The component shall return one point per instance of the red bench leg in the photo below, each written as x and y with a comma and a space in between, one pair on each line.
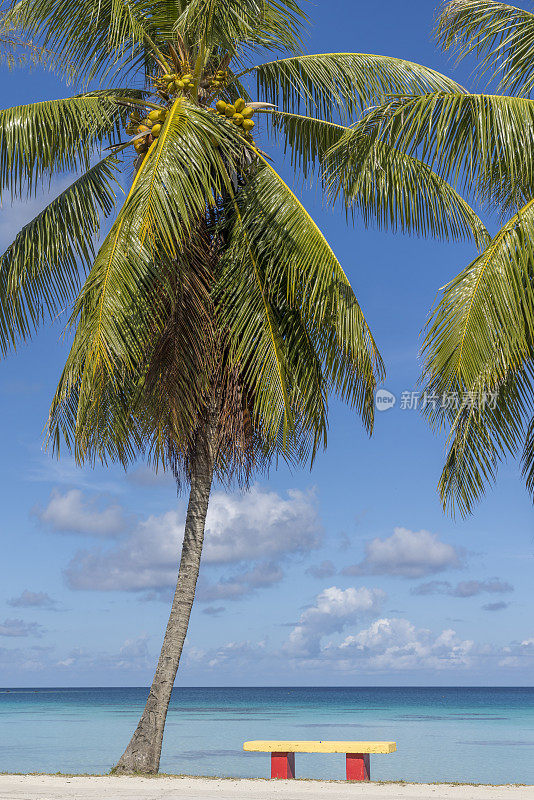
282, 765
358, 767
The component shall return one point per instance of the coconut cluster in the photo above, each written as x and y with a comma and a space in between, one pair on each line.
173, 82
218, 80
237, 112
150, 126
146, 127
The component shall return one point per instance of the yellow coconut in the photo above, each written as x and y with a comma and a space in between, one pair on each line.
229, 110
220, 105
239, 104
155, 130
237, 119
247, 112
248, 124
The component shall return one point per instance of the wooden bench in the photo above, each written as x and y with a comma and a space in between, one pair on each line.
357, 754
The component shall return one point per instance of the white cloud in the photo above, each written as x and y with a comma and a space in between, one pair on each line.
34, 600
396, 644
406, 553
499, 606
234, 654
260, 524
464, 588
71, 512
235, 587
18, 628
333, 609
257, 526
491, 586
132, 656
325, 569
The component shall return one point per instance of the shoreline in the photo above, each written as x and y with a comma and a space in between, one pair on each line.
185, 776
41, 786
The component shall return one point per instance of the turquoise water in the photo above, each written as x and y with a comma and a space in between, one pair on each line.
464, 734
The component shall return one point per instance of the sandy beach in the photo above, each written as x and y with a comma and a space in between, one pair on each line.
55, 787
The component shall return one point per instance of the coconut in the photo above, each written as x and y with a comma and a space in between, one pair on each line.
239, 104
220, 105
143, 129
237, 119
155, 130
248, 124
247, 112
156, 115
229, 110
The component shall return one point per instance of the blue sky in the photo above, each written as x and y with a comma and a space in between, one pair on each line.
350, 574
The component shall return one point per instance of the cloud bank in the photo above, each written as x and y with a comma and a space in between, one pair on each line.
407, 554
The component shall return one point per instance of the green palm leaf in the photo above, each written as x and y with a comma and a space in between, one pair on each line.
395, 190
42, 139
307, 139
479, 345
117, 312
501, 35
241, 24
333, 84
40, 271
89, 39
484, 143
300, 266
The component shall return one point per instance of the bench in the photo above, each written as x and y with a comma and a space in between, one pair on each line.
357, 755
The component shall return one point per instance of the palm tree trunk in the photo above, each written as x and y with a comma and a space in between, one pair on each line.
144, 750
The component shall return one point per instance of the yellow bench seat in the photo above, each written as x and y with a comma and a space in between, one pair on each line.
323, 746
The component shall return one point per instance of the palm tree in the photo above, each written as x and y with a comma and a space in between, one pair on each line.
478, 351
214, 320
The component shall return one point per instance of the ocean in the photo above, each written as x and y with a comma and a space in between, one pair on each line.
454, 734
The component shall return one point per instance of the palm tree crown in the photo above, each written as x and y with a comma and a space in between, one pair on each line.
208, 230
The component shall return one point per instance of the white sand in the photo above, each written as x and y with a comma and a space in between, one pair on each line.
51, 787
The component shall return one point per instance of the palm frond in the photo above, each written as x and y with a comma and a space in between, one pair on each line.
501, 35
300, 268
527, 458
479, 345
238, 25
89, 39
53, 136
394, 190
307, 139
342, 84
482, 143
40, 270
124, 298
